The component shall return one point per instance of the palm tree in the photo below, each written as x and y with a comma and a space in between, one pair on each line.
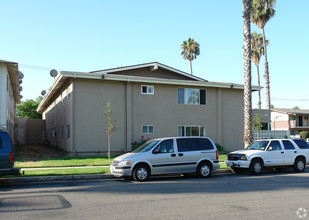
247, 73
190, 50
260, 13
257, 49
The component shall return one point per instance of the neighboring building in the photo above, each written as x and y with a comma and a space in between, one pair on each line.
148, 100
266, 122
9, 96
289, 119
31, 131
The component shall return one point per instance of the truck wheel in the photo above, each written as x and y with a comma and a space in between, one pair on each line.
256, 167
299, 165
140, 173
204, 170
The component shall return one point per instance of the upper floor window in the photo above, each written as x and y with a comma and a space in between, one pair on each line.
147, 129
148, 90
188, 131
191, 96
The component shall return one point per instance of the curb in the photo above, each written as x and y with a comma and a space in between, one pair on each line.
72, 177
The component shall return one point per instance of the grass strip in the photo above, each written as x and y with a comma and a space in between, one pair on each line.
65, 162
66, 171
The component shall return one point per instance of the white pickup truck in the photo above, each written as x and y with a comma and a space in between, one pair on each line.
270, 153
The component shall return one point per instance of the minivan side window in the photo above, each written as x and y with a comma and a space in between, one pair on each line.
193, 144
205, 144
165, 146
301, 144
288, 145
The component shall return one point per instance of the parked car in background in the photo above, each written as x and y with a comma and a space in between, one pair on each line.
7, 156
166, 156
270, 153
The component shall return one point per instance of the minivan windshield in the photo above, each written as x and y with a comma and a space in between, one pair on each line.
146, 147
258, 145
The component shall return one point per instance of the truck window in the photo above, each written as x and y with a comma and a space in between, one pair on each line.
275, 145
288, 145
301, 144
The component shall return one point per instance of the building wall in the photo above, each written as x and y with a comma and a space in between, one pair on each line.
7, 103
31, 131
279, 121
59, 120
222, 115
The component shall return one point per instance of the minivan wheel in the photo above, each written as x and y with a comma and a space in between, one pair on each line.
140, 173
256, 167
299, 165
204, 170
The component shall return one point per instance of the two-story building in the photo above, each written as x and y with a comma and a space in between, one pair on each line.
9, 96
294, 120
148, 100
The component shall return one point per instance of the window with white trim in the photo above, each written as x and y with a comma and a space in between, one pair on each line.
147, 129
191, 96
147, 90
191, 131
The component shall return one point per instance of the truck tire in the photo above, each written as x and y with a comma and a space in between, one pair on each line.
256, 166
299, 165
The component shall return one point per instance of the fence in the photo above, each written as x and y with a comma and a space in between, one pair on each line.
271, 134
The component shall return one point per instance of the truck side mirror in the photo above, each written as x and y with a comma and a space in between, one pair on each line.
270, 149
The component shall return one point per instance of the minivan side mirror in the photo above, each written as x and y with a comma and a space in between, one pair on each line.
156, 151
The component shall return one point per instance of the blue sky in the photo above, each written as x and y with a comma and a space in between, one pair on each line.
93, 35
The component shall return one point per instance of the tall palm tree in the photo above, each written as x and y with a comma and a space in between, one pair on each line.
190, 50
257, 49
247, 72
260, 13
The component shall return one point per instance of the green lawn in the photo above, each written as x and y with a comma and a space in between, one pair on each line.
67, 171
65, 162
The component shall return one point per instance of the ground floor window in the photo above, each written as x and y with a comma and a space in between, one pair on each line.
147, 129
189, 131
67, 128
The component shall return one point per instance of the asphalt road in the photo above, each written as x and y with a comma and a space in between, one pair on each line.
223, 196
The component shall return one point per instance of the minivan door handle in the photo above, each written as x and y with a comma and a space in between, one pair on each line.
180, 155
173, 155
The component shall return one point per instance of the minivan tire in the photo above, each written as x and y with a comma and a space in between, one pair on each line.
299, 165
141, 173
204, 170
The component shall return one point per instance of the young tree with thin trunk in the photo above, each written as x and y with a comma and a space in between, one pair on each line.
110, 128
190, 50
260, 13
247, 73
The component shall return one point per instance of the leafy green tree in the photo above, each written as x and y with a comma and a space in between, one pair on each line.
190, 50
27, 109
296, 108
257, 50
247, 73
110, 128
257, 124
260, 13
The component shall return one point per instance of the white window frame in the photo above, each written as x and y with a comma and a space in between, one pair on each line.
199, 129
148, 129
185, 96
147, 93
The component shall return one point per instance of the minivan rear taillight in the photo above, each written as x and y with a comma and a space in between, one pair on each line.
217, 156
11, 157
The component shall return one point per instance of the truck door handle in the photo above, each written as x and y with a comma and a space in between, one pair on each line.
180, 155
173, 155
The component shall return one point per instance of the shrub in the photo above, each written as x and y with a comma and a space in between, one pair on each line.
304, 134
221, 149
137, 144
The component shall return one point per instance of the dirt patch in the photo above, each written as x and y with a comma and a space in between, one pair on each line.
37, 152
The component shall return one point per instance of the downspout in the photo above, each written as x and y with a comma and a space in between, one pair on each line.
73, 117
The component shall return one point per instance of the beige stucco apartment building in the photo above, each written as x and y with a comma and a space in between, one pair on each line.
148, 101
9, 96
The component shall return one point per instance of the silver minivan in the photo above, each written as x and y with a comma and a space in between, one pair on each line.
166, 156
